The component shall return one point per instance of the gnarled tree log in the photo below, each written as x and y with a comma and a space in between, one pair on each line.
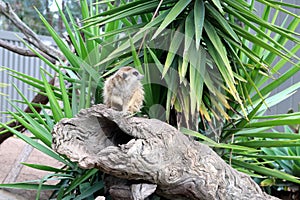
152, 152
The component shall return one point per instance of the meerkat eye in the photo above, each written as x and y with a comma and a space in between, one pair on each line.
125, 75
135, 73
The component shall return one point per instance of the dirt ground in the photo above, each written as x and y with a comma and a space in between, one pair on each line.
12, 151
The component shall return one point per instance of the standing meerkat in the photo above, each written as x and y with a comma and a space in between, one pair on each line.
123, 90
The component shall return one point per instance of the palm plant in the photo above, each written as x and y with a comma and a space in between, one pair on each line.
214, 59
205, 64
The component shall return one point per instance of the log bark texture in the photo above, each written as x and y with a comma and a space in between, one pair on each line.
153, 152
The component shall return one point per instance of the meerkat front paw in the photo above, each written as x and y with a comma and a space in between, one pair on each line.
128, 114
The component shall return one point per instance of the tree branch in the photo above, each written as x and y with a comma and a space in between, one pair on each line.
7, 11
16, 49
23, 51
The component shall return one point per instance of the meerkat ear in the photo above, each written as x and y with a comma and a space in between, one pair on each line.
125, 75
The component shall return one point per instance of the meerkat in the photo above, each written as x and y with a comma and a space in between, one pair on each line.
123, 90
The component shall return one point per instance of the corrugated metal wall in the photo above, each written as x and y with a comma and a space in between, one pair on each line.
27, 65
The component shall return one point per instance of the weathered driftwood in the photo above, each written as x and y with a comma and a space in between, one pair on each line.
151, 152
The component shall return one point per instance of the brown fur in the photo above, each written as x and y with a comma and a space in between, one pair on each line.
123, 90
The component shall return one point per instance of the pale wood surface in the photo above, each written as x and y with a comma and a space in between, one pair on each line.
151, 152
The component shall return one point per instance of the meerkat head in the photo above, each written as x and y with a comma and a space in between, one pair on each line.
130, 74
